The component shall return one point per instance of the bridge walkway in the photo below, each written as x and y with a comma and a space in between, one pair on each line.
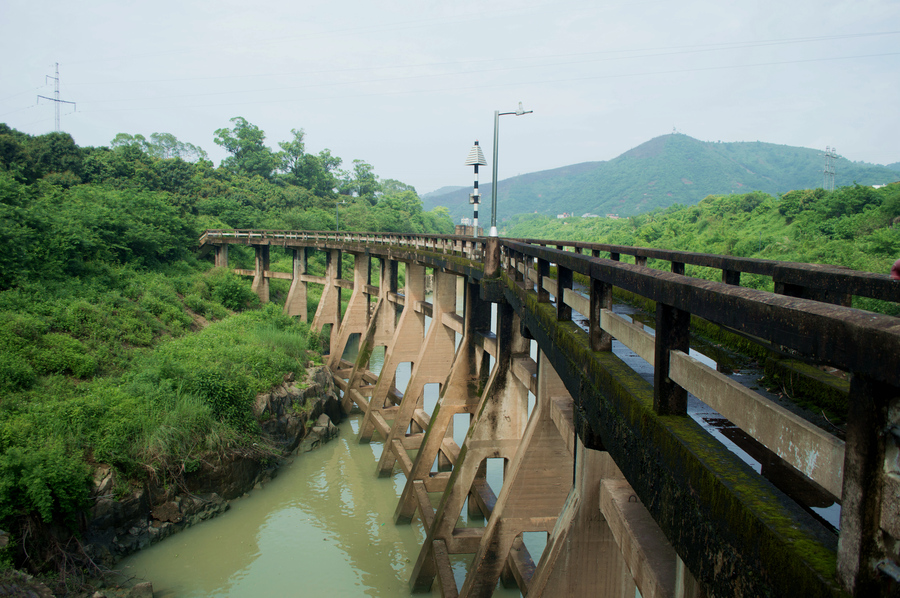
629, 490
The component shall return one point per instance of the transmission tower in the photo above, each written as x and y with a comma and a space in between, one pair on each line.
830, 156
56, 99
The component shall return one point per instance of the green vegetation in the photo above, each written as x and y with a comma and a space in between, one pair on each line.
857, 227
119, 346
663, 171
852, 226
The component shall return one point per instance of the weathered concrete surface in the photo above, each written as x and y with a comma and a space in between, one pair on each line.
737, 533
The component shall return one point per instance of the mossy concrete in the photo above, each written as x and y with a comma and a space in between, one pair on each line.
737, 533
810, 387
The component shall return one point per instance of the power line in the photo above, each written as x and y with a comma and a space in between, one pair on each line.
444, 89
56, 98
625, 54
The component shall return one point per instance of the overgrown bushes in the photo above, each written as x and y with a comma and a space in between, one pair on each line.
189, 396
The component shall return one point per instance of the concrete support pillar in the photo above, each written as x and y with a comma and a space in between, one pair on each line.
432, 364
295, 304
221, 256
582, 558
496, 432
329, 310
458, 395
260, 284
387, 316
404, 347
356, 317
536, 485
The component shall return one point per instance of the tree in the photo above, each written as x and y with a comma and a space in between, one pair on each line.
292, 153
249, 155
389, 186
316, 173
361, 182
126, 140
166, 145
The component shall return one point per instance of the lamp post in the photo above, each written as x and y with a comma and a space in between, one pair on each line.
337, 218
476, 159
497, 114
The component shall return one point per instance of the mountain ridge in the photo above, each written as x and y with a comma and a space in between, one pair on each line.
665, 170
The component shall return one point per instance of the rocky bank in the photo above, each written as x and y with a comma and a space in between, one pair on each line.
295, 416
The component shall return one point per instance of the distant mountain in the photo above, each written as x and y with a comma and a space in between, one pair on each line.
443, 191
663, 171
894, 166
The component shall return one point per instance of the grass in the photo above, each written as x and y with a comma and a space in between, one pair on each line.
116, 368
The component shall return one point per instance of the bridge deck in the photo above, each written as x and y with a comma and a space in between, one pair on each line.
728, 527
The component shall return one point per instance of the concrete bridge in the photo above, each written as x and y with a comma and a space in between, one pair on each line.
630, 490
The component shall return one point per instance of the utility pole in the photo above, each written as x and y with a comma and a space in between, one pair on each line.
56, 99
830, 156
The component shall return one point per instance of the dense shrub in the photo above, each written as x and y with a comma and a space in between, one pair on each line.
45, 477
231, 290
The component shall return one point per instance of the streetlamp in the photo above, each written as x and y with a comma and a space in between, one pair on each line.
497, 114
337, 218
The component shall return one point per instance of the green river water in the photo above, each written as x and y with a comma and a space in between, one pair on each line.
323, 527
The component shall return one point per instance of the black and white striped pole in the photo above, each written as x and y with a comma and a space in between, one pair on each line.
476, 159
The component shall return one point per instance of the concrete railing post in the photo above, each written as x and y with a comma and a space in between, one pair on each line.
492, 257
672, 333
868, 433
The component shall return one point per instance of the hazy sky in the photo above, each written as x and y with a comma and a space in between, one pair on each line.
408, 85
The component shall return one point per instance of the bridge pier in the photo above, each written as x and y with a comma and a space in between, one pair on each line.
295, 303
404, 347
221, 260
260, 284
431, 365
495, 433
329, 309
356, 317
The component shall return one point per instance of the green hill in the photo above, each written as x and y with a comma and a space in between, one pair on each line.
663, 171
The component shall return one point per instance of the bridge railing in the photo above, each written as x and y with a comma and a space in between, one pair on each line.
820, 282
865, 344
832, 284
465, 246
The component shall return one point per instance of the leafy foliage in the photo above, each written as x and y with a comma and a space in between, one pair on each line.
119, 347
855, 226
